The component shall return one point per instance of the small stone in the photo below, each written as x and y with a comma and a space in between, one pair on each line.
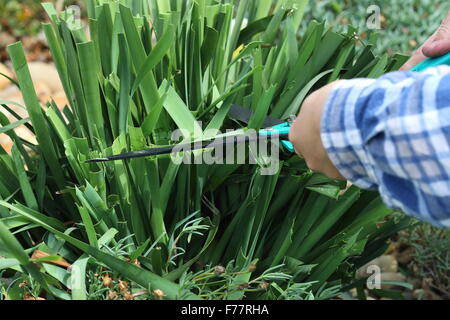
415, 282
386, 263
9, 91
43, 91
6, 142
413, 43
4, 82
17, 98
45, 72
42, 38
26, 134
219, 269
6, 39
406, 256
391, 276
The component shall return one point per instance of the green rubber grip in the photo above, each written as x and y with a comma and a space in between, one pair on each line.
434, 62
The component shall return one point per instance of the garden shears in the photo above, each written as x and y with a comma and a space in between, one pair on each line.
280, 130
276, 129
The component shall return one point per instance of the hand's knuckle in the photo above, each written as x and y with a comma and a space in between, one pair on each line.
447, 19
417, 53
444, 29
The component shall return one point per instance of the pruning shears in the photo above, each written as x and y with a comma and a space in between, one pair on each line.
275, 128
279, 131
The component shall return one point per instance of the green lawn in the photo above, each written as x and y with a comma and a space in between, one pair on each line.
405, 23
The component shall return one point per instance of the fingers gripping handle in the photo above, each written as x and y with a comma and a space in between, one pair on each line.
433, 62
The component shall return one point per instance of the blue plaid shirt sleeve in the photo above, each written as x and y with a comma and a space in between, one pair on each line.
393, 135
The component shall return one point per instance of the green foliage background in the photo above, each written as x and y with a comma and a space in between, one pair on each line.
404, 20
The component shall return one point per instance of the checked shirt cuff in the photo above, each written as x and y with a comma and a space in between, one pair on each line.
341, 136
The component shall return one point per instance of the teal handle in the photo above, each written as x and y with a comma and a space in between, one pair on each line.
281, 129
434, 62
288, 146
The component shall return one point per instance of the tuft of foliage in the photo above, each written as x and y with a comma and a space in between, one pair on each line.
431, 257
404, 24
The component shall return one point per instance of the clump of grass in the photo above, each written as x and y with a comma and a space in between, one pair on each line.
404, 24
430, 258
144, 70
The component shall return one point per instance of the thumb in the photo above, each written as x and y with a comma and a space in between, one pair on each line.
418, 55
441, 42
415, 59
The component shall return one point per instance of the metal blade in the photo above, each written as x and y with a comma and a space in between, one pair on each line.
244, 115
199, 145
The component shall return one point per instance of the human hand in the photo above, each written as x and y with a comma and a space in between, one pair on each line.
305, 134
437, 45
